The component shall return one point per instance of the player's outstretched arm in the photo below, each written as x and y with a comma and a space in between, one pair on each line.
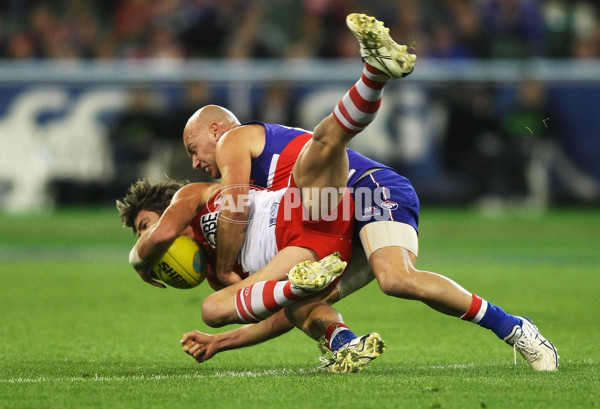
203, 346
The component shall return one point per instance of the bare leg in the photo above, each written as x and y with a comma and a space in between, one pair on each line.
323, 162
219, 308
314, 315
395, 272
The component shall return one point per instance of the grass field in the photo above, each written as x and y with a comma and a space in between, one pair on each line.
80, 330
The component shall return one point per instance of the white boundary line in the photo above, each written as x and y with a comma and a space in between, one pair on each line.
96, 378
218, 374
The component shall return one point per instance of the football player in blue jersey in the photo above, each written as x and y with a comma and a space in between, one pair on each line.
386, 222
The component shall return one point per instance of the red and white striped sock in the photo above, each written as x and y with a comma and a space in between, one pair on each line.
358, 107
476, 311
264, 298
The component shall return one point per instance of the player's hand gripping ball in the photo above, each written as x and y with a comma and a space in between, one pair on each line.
182, 265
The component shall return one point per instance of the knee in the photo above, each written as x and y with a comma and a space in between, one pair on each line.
400, 282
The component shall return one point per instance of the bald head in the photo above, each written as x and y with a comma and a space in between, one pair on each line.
201, 134
210, 117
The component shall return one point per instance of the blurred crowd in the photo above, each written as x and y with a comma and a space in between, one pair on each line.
493, 149
182, 29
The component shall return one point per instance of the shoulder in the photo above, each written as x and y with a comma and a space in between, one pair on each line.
197, 190
249, 137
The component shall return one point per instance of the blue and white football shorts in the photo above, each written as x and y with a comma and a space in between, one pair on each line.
384, 195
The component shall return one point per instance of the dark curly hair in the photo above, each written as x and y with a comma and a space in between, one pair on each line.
143, 195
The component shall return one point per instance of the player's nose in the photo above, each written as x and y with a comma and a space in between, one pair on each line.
195, 162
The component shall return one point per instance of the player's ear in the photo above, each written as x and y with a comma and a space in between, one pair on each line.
215, 130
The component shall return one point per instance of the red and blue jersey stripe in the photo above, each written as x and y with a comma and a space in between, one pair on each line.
272, 168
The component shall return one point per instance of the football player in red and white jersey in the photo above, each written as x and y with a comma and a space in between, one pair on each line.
159, 211
322, 165
220, 145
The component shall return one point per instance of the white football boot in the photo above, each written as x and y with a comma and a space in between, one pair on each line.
354, 355
316, 275
377, 47
539, 353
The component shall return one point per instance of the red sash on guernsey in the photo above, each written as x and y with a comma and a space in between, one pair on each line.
287, 159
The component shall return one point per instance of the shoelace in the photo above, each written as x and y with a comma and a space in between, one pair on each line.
326, 362
524, 344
